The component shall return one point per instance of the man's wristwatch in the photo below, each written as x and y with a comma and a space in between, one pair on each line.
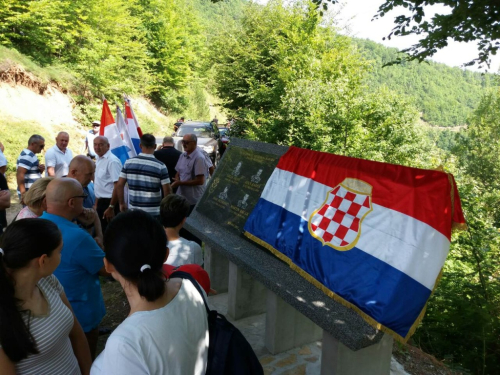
111, 206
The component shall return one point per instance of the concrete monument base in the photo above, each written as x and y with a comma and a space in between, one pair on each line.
338, 359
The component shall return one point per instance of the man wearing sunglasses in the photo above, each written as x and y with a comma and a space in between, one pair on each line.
29, 168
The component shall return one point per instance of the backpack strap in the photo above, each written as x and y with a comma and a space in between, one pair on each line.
185, 275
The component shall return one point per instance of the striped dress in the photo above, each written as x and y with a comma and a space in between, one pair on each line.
51, 334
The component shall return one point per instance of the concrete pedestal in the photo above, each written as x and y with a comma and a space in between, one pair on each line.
246, 296
286, 328
337, 359
217, 266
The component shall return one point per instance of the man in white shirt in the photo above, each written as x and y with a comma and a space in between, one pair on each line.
57, 158
107, 173
174, 210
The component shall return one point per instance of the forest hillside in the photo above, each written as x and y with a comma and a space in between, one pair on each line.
445, 96
285, 75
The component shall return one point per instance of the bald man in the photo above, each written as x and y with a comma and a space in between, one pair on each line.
81, 257
82, 169
57, 158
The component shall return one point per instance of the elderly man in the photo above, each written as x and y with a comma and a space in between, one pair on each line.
145, 176
168, 155
81, 258
191, 171
57, 158
81, 169
29, 168
107, 173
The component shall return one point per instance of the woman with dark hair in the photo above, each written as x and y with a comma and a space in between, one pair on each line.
38, 331
166, 331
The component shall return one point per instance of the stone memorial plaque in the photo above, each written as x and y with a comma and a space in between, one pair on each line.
237, 186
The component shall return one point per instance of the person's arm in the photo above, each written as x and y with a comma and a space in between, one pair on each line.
98, 237
166, 189
211, 170
7, 367
4, 199
109, 213
198, 180
78, 342
20, 181
2, 147
165, 181
50, 163
120, 187
114, 171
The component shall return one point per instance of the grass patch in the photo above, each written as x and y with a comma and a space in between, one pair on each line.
14, 136
53, 73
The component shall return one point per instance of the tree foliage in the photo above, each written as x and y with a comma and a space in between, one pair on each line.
468, 21
289, 79
444, 95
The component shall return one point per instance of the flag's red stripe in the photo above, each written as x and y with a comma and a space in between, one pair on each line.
106, 117
422, 194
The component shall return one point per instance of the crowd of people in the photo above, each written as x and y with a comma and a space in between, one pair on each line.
91, 216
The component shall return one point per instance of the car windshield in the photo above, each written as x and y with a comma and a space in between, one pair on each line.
200, 131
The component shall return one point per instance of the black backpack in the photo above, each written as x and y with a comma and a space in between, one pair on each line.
228, 350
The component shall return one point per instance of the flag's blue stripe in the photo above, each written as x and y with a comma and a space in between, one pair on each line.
386, 294
136, 142
121, 153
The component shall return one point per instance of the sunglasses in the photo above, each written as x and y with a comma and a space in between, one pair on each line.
186, 142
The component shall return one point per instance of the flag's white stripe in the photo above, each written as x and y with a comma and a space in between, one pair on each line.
405, 243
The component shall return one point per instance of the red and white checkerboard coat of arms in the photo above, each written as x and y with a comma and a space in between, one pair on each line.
337, 223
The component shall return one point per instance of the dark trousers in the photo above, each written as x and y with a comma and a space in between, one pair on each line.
102, 205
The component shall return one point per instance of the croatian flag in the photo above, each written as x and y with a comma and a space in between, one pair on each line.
373, 236
134, 130
110, 131
122, 128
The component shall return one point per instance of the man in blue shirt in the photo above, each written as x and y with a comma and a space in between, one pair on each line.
81, 257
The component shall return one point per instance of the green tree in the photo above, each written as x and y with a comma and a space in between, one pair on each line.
290, 79
462, 322
176, 49
468, 21
478, 146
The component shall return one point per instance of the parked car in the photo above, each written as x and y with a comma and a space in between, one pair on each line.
224, 137
209, 139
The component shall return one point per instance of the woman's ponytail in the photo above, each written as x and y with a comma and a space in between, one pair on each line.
150, 284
